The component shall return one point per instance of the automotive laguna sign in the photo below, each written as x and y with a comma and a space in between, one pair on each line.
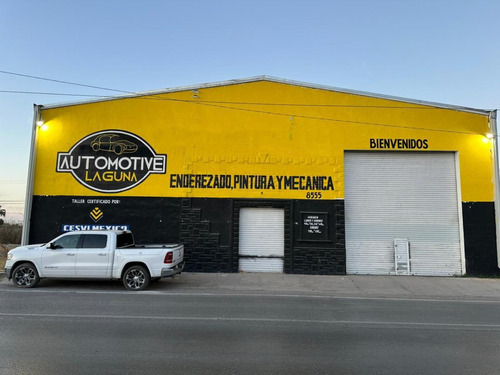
111, 161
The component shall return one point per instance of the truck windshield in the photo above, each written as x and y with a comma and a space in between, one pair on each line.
124, 240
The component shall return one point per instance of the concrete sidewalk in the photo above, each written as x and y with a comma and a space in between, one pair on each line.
340, 286
453, 288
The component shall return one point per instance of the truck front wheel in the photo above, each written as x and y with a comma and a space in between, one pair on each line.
25, 276
136, 278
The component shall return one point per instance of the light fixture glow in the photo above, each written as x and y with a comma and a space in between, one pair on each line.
44, 127
39, 123
489, 135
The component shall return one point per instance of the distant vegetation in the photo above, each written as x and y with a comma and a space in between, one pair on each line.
10, 233
2, 214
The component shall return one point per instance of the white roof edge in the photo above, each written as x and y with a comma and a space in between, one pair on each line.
276, 80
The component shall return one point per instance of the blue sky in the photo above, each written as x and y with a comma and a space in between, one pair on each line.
442, 51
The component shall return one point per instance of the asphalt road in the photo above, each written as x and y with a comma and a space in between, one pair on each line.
67, 328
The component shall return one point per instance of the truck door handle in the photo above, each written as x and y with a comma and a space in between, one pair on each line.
71, 255
101, 254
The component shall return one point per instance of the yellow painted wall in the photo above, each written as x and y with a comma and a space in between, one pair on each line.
261, 128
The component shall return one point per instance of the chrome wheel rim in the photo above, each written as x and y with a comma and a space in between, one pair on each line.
25, 276
135, 279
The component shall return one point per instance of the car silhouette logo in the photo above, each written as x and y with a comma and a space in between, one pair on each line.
113, 143
111, 161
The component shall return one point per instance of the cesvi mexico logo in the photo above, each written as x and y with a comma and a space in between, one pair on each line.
111, 161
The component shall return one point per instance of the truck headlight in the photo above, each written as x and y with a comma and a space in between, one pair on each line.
10, 256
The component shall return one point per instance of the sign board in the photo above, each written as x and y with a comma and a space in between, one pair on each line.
314, 226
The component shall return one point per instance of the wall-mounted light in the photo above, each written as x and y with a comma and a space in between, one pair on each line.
41, 124
488, 137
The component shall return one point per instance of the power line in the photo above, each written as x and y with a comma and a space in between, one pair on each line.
55, 93
343, 121
213, 104
217, 104
186, 100
64, 82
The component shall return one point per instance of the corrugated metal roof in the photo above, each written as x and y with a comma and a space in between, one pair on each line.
275, 80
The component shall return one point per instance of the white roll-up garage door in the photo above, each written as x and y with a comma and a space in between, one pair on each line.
394, 195
261, 239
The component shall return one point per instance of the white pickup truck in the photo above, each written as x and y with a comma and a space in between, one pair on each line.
94, 255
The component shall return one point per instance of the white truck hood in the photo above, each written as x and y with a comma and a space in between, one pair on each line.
27, 247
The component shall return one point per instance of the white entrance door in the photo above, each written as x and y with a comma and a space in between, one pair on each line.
262, 239
410, 195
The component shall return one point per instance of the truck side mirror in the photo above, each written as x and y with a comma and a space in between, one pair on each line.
51, 246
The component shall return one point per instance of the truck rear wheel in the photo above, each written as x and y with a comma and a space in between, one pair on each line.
25, 276
136, 278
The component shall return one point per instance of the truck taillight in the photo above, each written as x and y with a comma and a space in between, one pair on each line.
169, 257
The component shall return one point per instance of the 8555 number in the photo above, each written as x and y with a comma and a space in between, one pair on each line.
313, 195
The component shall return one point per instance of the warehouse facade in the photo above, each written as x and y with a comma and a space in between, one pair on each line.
268, 175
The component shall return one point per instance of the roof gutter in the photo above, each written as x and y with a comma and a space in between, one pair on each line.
264, 78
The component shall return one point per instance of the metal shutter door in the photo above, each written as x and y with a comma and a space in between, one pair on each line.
392, 195
261, 239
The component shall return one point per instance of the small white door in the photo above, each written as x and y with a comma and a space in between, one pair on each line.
262, 239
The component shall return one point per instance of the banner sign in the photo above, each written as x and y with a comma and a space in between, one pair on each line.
74, 227
259, 182
111, 161
314, 226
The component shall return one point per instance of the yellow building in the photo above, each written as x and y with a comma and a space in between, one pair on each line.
269, 175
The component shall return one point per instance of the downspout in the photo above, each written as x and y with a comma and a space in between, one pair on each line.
31, 176
496, 150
